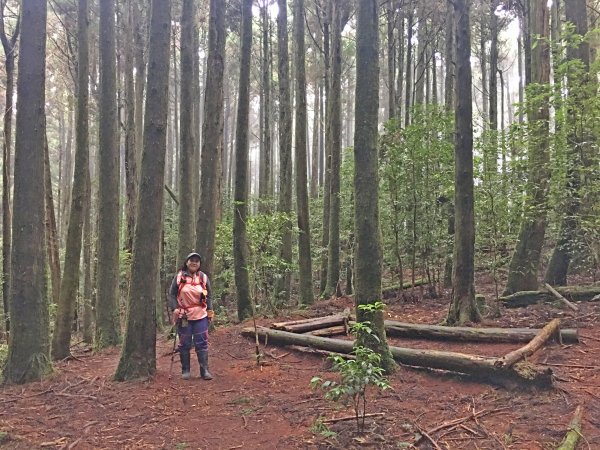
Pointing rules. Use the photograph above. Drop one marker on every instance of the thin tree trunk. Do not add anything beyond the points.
(130, 131)
(107, 312)
(391, 58)
(28, 348)
(9, 46)
(334, 131)
(463, 308)
(409, 68)
(314, 172)
(138, 356)
(282, 288)
(187, 223)
(52, 239)
(61, 342)
(305, 288)
(240, 211)
(212, 141)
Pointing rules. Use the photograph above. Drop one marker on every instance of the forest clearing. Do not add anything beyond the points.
(274, 406)
(379, 220)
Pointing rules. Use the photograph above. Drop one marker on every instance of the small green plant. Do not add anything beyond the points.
(356, 374)
(320, 427)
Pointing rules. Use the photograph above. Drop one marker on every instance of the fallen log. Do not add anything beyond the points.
(316, 323)
(477, 366)
(573, 293)
(330, 331)
(560, 297)
(389, 290)
(536, 343)
(572, 436)
(438, 332)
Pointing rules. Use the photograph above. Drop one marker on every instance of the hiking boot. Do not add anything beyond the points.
(203, 360)
(185, 364)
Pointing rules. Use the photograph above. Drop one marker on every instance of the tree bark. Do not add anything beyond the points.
(340, 13)
(130, 131)
(9, 46)
(305, 288)
(524, 264)
(573, 293)
(240, 211)
(107, 309)
(212, 137)
(367, 259)
(283, 286)
(187, 223)
(510, 359)
(138, 356)
(52, 238)
(574, 433)
(29, 346)
(463, 308)
(61, 342)
(469, 334)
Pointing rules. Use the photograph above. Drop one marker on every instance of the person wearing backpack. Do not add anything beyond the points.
(191, 304)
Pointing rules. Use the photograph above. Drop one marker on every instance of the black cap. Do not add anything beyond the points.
(192, 255)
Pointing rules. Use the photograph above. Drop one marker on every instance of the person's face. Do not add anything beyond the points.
(193, 264)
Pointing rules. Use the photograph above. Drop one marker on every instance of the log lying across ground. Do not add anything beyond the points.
(316, 323)
(510, 359)
(477, 366)
(389, 290)
(572, 293)
(438, 332)
(560, 297)
(572, 437)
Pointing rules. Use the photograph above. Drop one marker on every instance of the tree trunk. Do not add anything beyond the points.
(138, 356)
(391, 58)
(130, 143)
(366, 180)
(579, 138)
(283, 286)
(326, 148)
(52, 239)
(305, 288)
(449, 57)
(61, 342)
(463, 308)
(340, 14)
(9, 46)
(29, 346)
(187, 223)
(88, 306)
(314, 171)
(524, 264)
(107, 309)
(409, 68)
(212, 137)
(240, 211)
(265, 184)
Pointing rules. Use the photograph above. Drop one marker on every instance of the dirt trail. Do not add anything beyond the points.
(274, 408)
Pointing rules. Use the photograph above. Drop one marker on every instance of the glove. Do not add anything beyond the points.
(177, 314)
(210, 314)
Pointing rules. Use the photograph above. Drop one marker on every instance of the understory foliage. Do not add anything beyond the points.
(356, 374)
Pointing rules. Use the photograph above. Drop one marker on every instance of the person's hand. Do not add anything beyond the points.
(177, 313)
(210, 314)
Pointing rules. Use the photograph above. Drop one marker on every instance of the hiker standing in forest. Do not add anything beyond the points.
(191, 303)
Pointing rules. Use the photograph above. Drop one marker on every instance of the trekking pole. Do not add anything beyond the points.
(174, 347)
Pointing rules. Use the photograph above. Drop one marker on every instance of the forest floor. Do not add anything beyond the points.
(245, 407)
